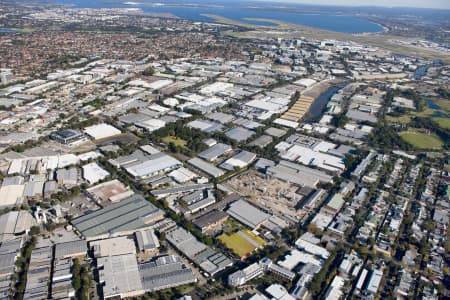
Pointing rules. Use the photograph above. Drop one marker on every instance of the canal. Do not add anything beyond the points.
(318, 107)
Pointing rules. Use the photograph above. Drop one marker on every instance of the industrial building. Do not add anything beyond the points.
(93, 173)
(240, 160)
(205, 257)
(67, 136)
(298, 174)
(118, 219)
(101, 131)
(38, 276)
(165, 272)
(11, 193)
(15, 223)
(240, 277)
(119, 276)
(141, 165)
(119, 245)
(214, 152)
(206, 167)
(247, 214)
(147, 240)
(239, 134)
(210, 221)
(71, 249)
(113, 191)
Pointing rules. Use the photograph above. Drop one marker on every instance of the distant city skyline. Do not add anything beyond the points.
(442, 4)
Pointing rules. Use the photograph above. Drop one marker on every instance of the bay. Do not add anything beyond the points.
(240, 11)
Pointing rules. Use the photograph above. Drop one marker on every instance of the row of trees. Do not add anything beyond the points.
(81, 280)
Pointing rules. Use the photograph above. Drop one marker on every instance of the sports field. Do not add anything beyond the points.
(242, 243)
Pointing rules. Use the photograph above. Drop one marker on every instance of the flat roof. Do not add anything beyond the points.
(70, 249)
(206, 167)
(215, 151)
(113, 246)
(120, 275)
(247, 214)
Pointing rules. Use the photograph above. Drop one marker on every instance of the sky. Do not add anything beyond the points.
(388, 3)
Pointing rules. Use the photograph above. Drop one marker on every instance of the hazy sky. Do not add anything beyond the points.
(389, 3)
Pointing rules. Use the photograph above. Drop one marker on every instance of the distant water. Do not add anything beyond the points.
(237, 11)
(3, 30)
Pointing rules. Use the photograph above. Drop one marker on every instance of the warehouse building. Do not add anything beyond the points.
(119, 276)
(239, 134)
(205, 257)
(112, 246)
(210, 221)
(206, 167)
(67, 136)
(240, 160)
(67, 176)
(15, 223)
(71, 249)
(147, 240)
(93, 173)
(101, 131)
(118, 219)
(298, 174)
(247, 214)
(153, 165)
(38, 275)
(11, 192)
(165, 272)
(215, 152)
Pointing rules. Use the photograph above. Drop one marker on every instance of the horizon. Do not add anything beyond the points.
(438, 4)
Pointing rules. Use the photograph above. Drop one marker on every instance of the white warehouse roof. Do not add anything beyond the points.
(101, 131)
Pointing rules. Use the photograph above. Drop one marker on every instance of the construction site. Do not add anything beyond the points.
(270, 194)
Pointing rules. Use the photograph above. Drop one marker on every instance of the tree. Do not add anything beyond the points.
(35, 230)
(76, 276)
(149, 71)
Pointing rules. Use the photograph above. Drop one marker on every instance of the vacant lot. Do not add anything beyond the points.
(422, 140)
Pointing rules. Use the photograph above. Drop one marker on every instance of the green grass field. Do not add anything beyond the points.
(173, 139)
(422, 140)
(443, 122)
(239, 245)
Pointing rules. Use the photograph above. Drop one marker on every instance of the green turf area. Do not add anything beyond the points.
(404, 119)
(173, 139)
(422, 140)
(443, 122)
(239, 245)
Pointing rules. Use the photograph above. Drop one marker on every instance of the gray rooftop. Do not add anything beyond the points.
(70, 249)
(239, 134)
(132, 213)
(206, 167)
(165, 273)
(247, 214)
(214, 152)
